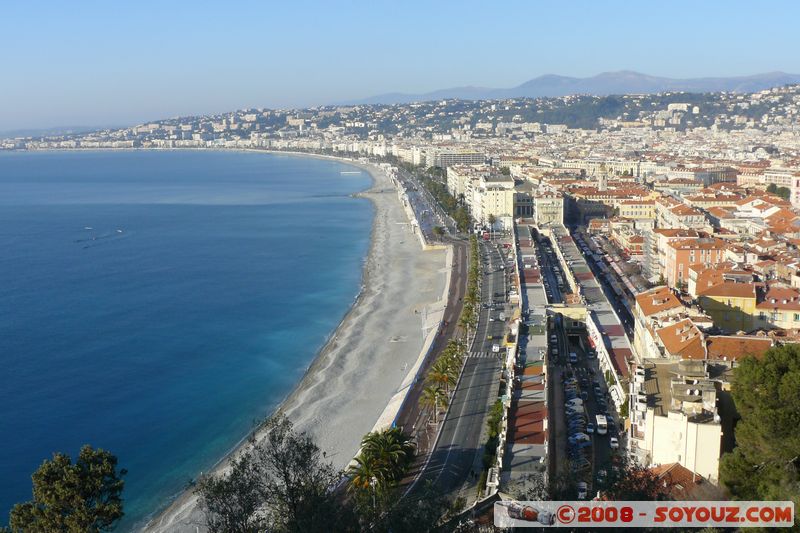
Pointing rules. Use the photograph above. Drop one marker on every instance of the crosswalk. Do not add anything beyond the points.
(483, 355)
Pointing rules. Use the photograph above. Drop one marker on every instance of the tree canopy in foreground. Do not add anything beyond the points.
(764, 465)
(80, 497)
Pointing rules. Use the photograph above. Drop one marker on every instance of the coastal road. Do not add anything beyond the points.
(452, 462)
(435, 213)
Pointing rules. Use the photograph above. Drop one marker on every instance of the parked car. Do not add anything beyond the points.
(583, 490)
(575, 454)
(613, 443)
(579, 437)
(580, 465)
(590, 428)
(584, 395)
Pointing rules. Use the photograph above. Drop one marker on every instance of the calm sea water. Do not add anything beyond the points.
(156, 304)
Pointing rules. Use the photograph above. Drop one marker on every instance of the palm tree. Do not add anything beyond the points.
(362, 474)
(433, 398)
(491, 219)
(471, 298)
(390, 450)
(466, 321)
(441, 373)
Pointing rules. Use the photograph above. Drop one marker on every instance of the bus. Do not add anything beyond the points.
(602, 425)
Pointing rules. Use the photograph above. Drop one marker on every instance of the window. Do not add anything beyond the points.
(796, 317)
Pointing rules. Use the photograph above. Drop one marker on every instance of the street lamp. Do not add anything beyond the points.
(373, 482)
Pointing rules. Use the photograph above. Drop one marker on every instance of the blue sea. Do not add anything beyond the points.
(157, 304)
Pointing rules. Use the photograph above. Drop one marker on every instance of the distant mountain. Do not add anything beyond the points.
(621, 82)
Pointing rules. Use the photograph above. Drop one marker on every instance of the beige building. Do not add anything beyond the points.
(548, 208)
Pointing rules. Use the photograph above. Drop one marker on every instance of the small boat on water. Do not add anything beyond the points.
(88, 227)
(344, 172)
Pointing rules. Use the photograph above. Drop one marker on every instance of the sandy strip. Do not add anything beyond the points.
(366, 360)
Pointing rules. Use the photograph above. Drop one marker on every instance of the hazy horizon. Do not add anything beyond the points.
(95, 64)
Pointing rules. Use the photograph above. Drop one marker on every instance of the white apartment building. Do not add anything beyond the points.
(494, 196)
(674, 418)
(789, 178)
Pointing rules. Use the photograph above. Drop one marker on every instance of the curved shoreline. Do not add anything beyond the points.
(342, 384)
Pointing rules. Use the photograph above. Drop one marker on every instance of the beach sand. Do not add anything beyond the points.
(364, 362)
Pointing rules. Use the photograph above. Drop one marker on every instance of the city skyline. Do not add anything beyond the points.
(98, 65)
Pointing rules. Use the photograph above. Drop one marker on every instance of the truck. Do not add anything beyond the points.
(602, 424)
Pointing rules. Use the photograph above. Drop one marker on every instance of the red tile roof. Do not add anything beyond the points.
(734, 347)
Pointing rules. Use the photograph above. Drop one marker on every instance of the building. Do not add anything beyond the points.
(780, 308)
(731, 305)
(637, 209)
(460, 179)
(674, 417)
(652, 308)
(681, 254)
(548, 208)
(493, 198)
(448, 158)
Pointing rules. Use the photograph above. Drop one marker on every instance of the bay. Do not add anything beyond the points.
(157, 304)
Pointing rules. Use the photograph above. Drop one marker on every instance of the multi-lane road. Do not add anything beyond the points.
(429, 212)
(455, 462)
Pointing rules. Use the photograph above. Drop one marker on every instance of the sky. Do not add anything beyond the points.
(86, 63)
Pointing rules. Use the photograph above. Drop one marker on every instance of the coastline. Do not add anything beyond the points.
(364, 365)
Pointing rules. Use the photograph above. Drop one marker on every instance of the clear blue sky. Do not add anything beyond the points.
(117, 63)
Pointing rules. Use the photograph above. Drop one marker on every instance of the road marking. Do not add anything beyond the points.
(482, 355)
